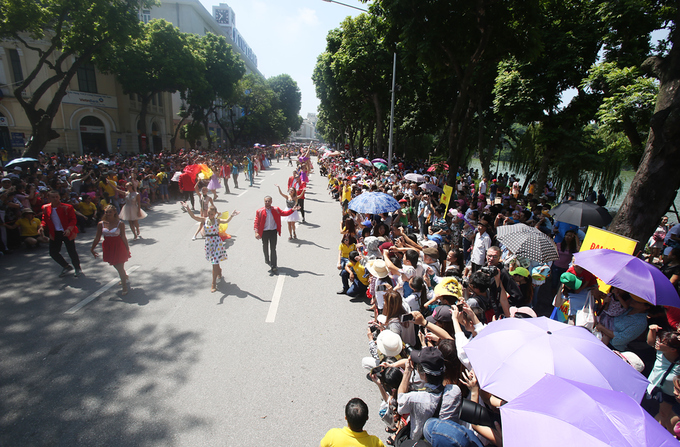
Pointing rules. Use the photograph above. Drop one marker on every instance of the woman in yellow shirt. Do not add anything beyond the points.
(347, 244)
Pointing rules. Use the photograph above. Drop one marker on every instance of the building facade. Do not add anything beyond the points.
(94, 117)
(307, 131)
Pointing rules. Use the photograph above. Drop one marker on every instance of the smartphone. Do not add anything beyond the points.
(407, 317)
(381, 288)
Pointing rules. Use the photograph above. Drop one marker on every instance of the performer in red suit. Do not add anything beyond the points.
(294, 181)
(268, 227)
(60, 221)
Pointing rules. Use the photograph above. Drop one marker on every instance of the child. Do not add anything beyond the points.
(615, 303)
(665, 367)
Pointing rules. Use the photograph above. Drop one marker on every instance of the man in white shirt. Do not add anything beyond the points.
(481, 245)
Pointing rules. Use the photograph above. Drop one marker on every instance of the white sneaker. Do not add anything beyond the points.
(193, 238)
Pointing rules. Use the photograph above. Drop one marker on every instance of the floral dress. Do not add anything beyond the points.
(214, 248)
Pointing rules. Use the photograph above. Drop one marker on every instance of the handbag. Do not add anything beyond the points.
(586, 317)
(657, 392)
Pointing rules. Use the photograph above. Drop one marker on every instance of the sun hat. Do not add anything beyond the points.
(449, 286)
(571, 281)
(378, 268)
(522, 312)
(431, 252)
(389, 343)
(521, 271)
(27, 210)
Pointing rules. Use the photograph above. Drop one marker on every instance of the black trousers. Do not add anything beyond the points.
(55, 249)
(189, 195)
(301, 204)
(269, 246)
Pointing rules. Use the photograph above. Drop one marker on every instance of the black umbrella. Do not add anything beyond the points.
(581, 214)
(527, 242)
(20, 161)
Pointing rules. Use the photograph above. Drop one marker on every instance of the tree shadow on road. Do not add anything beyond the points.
(90, 378)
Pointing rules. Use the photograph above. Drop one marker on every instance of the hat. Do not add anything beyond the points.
(494, 180)
(378, 268)
(403, 201)
(17, 168)
(367, 224)
(436, 238)
(385, 246)
(372, 243)
(522, 312)
(632, 359)
(441, 313)
(389, 343)
(571, 281)
(431, 252)
(27, 210)
(521, 271)
(431, 359)
(6, 179)
(449, 286)
(429, 243)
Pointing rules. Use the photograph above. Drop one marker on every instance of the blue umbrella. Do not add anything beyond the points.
(20, 161)
(374, 203)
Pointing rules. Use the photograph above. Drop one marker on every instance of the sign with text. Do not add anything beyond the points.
(90, 99)
(599, 238)
(17, 139)
(4, 122)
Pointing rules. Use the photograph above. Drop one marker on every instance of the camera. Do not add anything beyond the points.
(489, 270)
(381, 288)
(406, 317)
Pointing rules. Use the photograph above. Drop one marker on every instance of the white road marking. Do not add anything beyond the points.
(98, 293)
(273, 173)
(274, 305)
(243, 193)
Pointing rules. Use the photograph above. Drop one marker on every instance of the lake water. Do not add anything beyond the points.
(613, 205)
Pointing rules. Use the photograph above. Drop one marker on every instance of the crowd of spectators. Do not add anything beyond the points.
(92, 182)
(436, 276)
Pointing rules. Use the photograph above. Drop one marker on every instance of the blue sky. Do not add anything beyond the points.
(288, 35)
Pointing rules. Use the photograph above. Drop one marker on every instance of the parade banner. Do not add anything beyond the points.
(446, 197)
(599, 238)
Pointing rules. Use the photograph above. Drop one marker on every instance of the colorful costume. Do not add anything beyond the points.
(113, 248)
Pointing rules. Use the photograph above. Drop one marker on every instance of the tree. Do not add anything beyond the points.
(289, 99)
(76, 32)
(259, 120)
(452, 39)
(159, 60)
(656, 181)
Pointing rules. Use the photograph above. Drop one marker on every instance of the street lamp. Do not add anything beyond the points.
(394, 75)
(345, 4)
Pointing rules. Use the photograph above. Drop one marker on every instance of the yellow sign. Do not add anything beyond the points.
(448, 191)
(599, 238)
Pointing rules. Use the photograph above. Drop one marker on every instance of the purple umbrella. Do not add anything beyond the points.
(431, 187)
(379, 160)
(629, 273)
(559, 412)
(512, 354)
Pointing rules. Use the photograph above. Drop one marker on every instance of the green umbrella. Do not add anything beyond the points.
(381, 166)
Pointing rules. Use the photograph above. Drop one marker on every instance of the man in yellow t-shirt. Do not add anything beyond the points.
(354, 277)
(354, 435)
(31, 231)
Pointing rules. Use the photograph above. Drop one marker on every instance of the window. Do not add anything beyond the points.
(145, 15)
(87, 79)
(16, 66)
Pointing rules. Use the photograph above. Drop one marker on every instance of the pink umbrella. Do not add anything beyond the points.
(511, 355)
(379, 160)
(438, 167)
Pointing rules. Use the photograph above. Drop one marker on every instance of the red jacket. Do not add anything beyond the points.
(299, 186)
(67, 216)
(186, 183)
(261, 218)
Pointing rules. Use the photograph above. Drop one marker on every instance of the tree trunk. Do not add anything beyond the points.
(379, 124)
(173, 140)
(543, 170)
(656, 181)
(146, 100)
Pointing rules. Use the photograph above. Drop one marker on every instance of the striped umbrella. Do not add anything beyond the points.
(364, 161)
(527, 242)
(374, 203)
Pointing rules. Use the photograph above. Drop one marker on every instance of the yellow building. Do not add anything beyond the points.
(95, 115)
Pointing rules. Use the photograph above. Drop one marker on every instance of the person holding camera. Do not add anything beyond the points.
(435, 400)
(504, 291)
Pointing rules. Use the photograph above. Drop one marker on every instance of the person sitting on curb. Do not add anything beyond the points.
(356, 415)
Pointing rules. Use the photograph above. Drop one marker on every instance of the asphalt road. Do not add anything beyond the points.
(172, 364)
